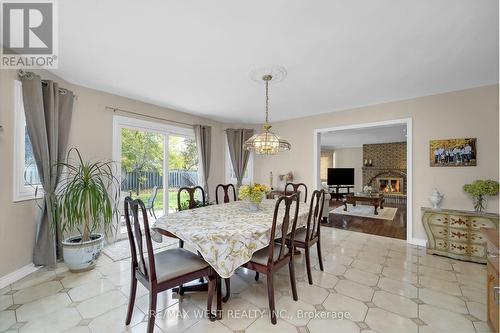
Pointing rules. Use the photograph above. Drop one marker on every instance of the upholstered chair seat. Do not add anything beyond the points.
(262, 256)
(173, 263)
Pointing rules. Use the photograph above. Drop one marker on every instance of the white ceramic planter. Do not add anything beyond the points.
(82, 256)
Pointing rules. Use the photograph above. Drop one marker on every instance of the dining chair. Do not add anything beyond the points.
(306, 237)
(191, 204)
(295, 187)
(226, 199)
(150, 203)
(226, 188)
(191, 201)
(278, 254)
(163, 270)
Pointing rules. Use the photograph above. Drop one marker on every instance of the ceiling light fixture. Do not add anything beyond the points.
(267, 143)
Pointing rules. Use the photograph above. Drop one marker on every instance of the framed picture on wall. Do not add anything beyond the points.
(453, 152)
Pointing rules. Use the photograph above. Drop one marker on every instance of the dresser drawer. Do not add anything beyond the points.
(469, 250)
(439, 231)
(477, 222)
(459, 222)
(474, 236)
(442, 244)
(438, 219)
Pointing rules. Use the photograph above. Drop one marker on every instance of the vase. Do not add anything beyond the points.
(254, 206)
(479, 203)
(435, 198)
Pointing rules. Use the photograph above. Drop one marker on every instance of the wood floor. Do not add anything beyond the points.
(394, 229)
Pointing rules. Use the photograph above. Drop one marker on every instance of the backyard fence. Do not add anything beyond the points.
(147, 180)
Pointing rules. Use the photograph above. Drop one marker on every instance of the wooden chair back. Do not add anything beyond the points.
(315, 214)
(132, 208)
(191, 191)
(295, 188)
(288, 218)
(226, 188)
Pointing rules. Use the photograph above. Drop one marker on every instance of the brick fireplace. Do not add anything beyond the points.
(387, 170)
(390, 184)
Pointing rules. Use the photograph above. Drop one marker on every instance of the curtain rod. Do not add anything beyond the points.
(146, 116)
(64, 91)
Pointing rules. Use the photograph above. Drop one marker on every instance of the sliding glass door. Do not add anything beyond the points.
(142, 167)
(182, 167)
(155, 160)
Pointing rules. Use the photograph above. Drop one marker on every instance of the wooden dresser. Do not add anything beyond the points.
(492, 282)
(456, 234)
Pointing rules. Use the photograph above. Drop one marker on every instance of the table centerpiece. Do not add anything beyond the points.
(253, 194)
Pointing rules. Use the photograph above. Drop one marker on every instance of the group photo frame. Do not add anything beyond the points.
(453, 152)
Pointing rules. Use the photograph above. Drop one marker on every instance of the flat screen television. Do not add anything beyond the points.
(340, 176)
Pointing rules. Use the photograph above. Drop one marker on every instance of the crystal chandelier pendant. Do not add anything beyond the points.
(267, 142)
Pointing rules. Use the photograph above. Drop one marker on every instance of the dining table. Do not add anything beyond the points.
(227, 235)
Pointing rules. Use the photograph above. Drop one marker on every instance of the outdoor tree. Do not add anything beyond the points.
(141, 152)
(190, 155)
(183, 154)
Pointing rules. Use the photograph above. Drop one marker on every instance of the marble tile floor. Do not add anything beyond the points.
(378, 285)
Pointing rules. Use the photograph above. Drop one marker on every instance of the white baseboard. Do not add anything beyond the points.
(418, 242)
(17, 275)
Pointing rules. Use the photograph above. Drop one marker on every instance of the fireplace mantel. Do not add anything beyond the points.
(380, 169)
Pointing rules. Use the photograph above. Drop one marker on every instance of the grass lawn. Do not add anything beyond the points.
(172, 198)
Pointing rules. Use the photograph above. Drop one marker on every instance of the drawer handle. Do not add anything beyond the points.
(496, 294)
(492, 254)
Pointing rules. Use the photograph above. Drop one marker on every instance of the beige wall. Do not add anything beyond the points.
(91, 132)
(351, 158)
(467, 113)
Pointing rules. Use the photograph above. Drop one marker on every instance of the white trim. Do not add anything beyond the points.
(419, 242)
(20, 192)
(409, 161)
(17, 275)
(152, 126)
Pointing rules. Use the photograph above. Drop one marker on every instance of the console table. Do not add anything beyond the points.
(456, 234)
(334, 191)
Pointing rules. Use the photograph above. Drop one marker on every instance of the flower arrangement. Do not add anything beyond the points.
(367, 189)
(479, 189)
(253, 193)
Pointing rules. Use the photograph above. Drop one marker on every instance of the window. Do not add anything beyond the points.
(26, 180)
(325, 164)
(231, 177)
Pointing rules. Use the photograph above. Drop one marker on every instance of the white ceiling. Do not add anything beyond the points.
(353, 138)
(197, 55)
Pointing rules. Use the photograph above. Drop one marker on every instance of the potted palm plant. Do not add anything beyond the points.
(86, 205)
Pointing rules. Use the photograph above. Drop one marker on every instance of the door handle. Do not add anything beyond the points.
(496, 294)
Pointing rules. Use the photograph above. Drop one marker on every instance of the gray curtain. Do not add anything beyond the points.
(239, 156)
(48, 111)
(203, 135)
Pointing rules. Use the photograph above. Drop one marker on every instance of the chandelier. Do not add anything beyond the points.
(267, 143)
